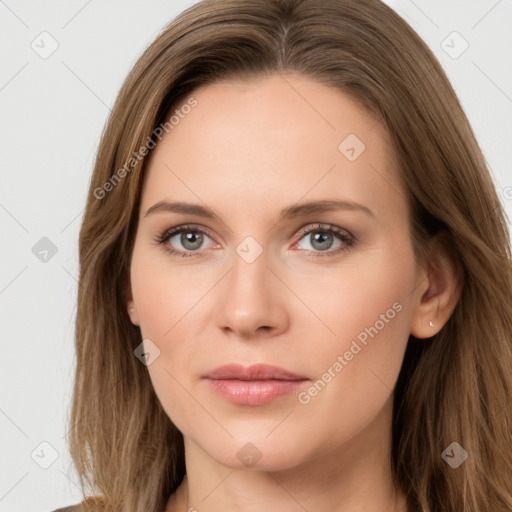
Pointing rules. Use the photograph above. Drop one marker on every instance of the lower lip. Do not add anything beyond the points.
(253, 392)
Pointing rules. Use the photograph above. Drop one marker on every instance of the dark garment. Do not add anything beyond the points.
(80, 507)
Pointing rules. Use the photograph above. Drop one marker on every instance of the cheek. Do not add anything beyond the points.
(367, 311)
(166, 296)
(363, 293)
(165, 293)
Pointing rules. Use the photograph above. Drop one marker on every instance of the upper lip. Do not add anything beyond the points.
(253, 372)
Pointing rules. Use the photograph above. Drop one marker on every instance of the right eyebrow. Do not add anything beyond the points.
(185, 208)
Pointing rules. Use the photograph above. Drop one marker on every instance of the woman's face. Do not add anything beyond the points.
(273, 272)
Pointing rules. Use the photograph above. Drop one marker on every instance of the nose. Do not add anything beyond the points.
(252, 300)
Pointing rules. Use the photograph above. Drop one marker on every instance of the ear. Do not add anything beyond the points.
(130, 304)
(437, 291)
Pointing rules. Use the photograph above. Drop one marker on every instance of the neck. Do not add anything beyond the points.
(353, 478)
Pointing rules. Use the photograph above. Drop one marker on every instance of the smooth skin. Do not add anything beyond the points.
(248, 150)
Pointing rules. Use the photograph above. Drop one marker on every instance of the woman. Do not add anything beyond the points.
(296, 283)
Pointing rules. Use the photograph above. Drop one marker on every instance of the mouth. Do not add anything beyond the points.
(258, 384)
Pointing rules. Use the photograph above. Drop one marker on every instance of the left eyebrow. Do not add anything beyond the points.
(325, 205)
(287, 213)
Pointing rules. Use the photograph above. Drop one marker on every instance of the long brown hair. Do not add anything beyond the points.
(453, 387)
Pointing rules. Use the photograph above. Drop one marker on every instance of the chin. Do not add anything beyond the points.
(258, 451)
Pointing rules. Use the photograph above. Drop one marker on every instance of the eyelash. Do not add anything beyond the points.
(348, 239)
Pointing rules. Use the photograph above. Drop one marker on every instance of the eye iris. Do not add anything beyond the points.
(321, 238)
(188, 237)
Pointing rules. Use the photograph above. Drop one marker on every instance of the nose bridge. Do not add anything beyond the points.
(250, 297)
(249, 275)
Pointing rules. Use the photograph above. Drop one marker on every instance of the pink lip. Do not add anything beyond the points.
(253, 372)
(256, 385)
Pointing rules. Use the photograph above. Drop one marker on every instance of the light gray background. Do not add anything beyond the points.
(52, 113)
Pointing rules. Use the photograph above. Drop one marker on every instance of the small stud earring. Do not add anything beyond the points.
(431, 323)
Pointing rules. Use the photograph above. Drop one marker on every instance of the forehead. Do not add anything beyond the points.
(271, 140)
